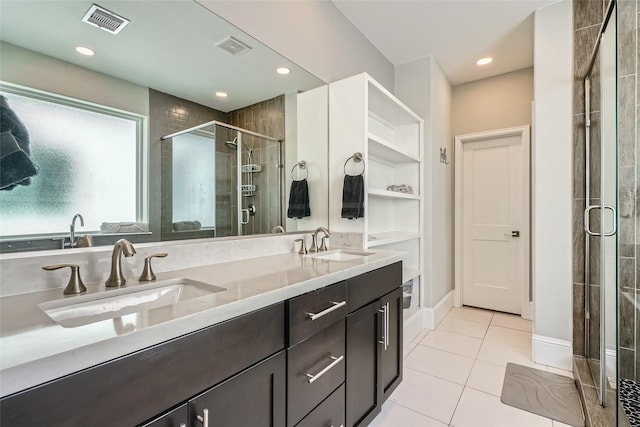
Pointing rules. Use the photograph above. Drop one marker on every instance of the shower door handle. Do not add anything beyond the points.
(244, 221)
(587, 225)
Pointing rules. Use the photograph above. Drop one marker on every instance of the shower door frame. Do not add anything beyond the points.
(602, 377)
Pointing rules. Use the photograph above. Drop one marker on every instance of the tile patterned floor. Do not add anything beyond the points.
(453, 375)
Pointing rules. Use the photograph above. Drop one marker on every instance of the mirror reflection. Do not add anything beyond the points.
(118, 137)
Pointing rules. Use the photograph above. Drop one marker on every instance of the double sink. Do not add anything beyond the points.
(90, 308)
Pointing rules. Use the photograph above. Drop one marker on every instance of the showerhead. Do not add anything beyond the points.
(232, 145)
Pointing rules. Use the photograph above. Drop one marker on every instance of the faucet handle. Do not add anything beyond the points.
(323, 244)
(147, 273)
(303, 247)
(75, 285)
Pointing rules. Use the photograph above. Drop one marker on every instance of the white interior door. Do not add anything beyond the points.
(494, 220)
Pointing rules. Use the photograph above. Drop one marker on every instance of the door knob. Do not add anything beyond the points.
(515, 233)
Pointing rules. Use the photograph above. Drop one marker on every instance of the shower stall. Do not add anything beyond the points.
(225, 180)
(610, 218)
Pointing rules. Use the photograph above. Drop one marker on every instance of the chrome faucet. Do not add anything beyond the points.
(116, 278)
(72, 230)
(314, 243)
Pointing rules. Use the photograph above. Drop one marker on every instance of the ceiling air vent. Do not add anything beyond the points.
(233, 46)
(105, 20)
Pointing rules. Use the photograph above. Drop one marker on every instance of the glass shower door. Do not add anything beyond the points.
(608, 214)
(601, 219)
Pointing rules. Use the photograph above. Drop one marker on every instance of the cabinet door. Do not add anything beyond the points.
(253, 398)
(391, 358)
(364, 397)
(179, 417)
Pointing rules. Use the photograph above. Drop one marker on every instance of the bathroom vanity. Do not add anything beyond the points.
(313, 342)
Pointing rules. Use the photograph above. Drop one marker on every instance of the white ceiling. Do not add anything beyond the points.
(455, 32)
(168, 46)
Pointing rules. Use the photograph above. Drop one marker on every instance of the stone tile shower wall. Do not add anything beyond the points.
(628, 191)
(267, 118)
(588, 17)
(169, 114)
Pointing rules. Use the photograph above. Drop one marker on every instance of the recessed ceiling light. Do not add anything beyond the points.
(283, 70)
(222, 94)
(484, 61)
(85, 51)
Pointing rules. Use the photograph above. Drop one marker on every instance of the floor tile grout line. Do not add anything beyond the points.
(419, 413)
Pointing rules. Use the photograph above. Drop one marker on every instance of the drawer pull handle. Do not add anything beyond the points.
(204, 418)
(335, 306)
(313, 378)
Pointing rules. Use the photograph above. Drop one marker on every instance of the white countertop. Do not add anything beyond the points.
(34, 349)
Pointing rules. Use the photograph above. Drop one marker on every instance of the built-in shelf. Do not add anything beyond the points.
(390, 138)
(384, 104)
(382, 149)
(409, 273)
(380, 239)
(376, 192)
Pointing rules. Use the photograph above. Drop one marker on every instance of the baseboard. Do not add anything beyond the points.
(552, 352)
(434, 315)
(413, 325)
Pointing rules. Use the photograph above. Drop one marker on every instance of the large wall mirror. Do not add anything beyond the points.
(176, 125)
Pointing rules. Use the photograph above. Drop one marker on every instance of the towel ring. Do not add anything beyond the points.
(357, 158)
(302, 165)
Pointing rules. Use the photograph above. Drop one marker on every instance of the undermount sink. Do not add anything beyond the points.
(110, 304)
(341, 255)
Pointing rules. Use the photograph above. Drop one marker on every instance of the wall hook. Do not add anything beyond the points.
(443, 155)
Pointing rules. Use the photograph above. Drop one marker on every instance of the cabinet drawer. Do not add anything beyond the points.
(328, 413)
(315, 369)
(314, 311)
(370, 286)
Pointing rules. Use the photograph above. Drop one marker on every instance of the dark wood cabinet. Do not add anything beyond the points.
(242, 371)
(374, 343)
(253, 398)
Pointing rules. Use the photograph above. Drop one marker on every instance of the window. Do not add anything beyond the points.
(89, 160)
(194, 178)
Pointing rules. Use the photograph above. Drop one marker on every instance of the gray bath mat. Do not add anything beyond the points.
(543, 393)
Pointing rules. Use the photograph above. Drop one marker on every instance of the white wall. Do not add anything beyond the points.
(313, 34)
(28, 68)
(425, 89)
(552, 183)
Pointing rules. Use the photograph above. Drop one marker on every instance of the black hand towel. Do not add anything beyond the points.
(299, 200)
(17, 166)
(353, 197)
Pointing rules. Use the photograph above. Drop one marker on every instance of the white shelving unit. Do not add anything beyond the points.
(365, 117)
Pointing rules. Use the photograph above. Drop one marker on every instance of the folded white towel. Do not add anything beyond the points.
(124, 227)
